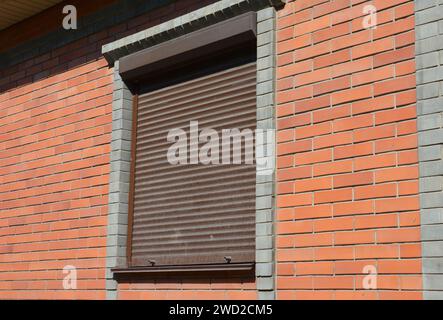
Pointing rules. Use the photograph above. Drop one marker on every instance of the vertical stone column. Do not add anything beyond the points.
(429, 59)
(119, 180)
(265, 264)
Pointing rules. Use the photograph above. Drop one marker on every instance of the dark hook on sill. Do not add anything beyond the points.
(151, 262)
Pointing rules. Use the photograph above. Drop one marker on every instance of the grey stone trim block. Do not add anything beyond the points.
(433, 295)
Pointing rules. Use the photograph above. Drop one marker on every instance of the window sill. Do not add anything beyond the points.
(187, 269)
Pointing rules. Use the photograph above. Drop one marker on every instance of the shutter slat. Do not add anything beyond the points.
(191, 86)
(198, 99)
(187, 172)
(194, 213)
(204, 121)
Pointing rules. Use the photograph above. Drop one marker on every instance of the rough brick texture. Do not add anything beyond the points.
(54, 164)
(55, 140)
(348, 153)
(429, 29)
(347, 174)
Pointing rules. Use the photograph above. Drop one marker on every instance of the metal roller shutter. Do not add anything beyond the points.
(193, 213)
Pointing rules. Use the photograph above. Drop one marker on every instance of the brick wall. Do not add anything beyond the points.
(347, 151)
(54, 164)
(347, 177)
(55, 135)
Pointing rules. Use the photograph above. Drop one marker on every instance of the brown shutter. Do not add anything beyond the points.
(193, 213)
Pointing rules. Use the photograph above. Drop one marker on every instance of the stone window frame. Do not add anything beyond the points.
(117, 226)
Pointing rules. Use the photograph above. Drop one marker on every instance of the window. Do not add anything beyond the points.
(189, 212)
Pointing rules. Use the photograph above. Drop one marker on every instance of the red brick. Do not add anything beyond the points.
(330, 7)
(332, 59)
(352, 267)
(395, 115)
(398, 235)
(335, 112)
(296, 43)
(408, 188)
(333, 196)
(353, 208)
(373, 48)
(335, 282)
(354, 150)
(294, 121)
(351, 95)
(351, 67)
(295, 255)
(376, 221)
(372, 76)
(404, 39)
(317, 211)
(404, 68)
(294, 94)
(376, 191)
(378, 161)
(394, 56)
(312, 25)
(399, 266)
(294, 173)
(396, 27)
(331, 140)
(396, 205)
(379, 103)
(332, 85)
(294, 283)
(376, 251)
(396, 144)
(354, 237)
(312, 184)
(312, 77)
(294, 69)
(407, 127)
(312, 104)
(314, 268)
(291, 147)
(353, 179)
(313, 240)
(374, 133)
(332, 168)
(395, 85)
(313, 51)
(353, 123)
(329, 33)
(406, 97)
(412, 250)
(294, 200)
(334, 224)
(314, 130)
(334, 253)
(313, 157)
(293, 227)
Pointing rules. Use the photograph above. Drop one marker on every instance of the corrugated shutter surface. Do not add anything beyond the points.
(193, 213)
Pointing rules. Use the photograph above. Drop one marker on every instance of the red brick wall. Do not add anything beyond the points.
(201, 288)
(347, 161)
(54, 164)
(347, 151)
(55, 130)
